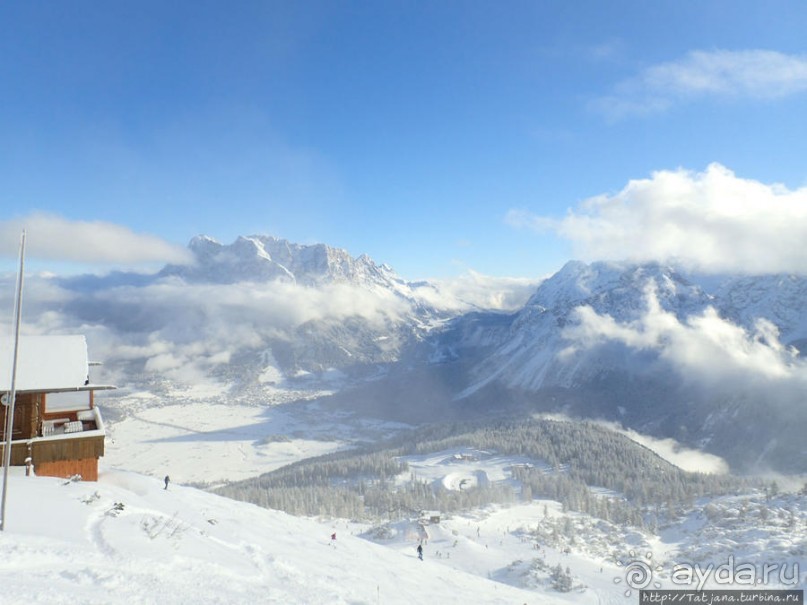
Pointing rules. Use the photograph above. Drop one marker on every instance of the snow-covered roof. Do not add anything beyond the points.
(44, 363)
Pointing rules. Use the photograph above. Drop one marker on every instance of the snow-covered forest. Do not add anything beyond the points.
(585, 467)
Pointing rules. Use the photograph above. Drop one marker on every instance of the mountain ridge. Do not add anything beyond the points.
(266, 258)
(623, 342)
(712, 361)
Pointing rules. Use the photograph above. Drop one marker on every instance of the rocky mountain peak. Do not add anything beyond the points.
(263, 258)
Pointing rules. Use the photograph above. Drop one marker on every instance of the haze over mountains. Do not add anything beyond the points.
(712, 361)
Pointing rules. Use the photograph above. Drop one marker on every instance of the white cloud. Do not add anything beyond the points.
(711, 221)
(694, 461)
(473, 290)
(755, 74)
(51, 237)
(705, 350)
(673, 452)
(186, 331)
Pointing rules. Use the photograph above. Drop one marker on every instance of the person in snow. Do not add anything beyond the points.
(420, 552)
(167, 479)
(333, 537)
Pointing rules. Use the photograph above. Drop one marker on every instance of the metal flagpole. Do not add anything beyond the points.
(13, 392)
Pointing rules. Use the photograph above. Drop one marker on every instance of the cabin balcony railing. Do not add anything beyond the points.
(74, 435)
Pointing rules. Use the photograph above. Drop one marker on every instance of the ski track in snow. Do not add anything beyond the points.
(66, 543)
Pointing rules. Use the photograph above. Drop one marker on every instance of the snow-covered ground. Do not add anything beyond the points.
(466, 468)
(211, 441)
(127, 540)
(181, 439)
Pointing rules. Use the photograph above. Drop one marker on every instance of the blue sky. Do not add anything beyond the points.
(438, 137)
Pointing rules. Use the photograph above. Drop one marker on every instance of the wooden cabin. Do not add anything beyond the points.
(57, 429)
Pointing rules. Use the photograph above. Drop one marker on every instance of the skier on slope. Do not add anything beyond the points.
(420, 552)
(167, 479)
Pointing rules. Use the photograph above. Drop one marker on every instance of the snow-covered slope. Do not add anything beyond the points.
(128, 540)
(782, 299)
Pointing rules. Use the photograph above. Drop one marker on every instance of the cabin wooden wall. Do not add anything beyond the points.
(27, 412)
(60, 457)
(86, 467)
(57, 450)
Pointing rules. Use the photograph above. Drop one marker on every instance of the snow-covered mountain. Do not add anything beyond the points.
(256, 315)
(524, 350)
(712, 362)
(782, 299)
(262, 258)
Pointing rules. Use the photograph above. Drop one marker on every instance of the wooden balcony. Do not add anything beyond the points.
(65, 446)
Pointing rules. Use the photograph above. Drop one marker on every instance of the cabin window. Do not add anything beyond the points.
(64, 402)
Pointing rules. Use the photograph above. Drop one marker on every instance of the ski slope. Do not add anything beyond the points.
(126, 539)
(68, 542)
